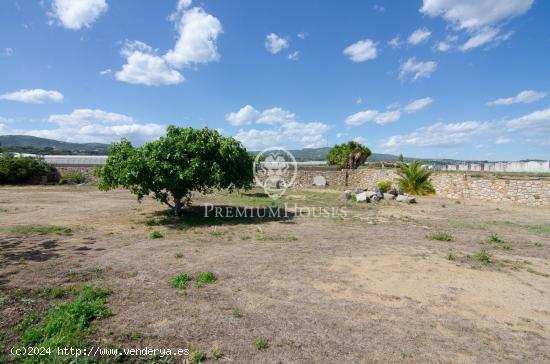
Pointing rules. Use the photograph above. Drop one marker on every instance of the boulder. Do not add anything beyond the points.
(405, 198)
(362, 197)
(389, 196)
(319, 181)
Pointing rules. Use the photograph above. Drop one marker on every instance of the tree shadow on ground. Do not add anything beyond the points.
(18, 250)
(215, 215)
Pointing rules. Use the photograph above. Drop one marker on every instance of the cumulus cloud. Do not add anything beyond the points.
(395, 42)
(198, 32)
(245, 115)
(480, 19)
(283, 128)
(417, 69)
(419, 36)
(524, 97)
(437, 135)
(362, 50)
(274, 43)
(89, 125)
(34, 96)
(418, 104)
(538, 121)
(77, 14)
(375, 116)
(197, 42)
(143, 66)
(294, 56)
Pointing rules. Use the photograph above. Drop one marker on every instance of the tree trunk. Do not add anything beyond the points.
(177, 206)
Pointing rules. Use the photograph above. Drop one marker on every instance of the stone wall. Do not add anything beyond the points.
(86, 169)
(533, 191)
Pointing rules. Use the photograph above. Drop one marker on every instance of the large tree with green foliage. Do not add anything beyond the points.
(414, 178)
(22, 169)
(172, 167)
(348, 155)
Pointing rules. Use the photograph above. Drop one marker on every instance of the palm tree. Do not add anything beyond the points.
(414, 179)
(349, 155)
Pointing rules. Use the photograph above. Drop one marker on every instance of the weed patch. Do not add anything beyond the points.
(261, 343)
(205, 278)
(155, 235)
(482, 257)
(180, 281)
(441, 236)
(41, 229)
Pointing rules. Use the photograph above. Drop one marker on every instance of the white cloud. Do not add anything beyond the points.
(524, 97)
(8, 52)
(275, 116)
(418, 69)
(419, 36)
(395, 42)
(245, 115)
(361, 51)
(107, 71)
(359, 100)
(74, 15)
(418, 104)
(34, 96)
(379, 8)
(481, 19)
(87, 125)
(303, 35)
(538, 121)
(143, 66)
(447, 44)
(361, 117)
(197, 42)
(387, 117)
(274, 44)
(294, 56)
(81, 117)
(503, 140)
(360, 139)
(437, 135)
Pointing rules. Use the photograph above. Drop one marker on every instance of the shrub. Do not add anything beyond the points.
(384, 186)
(205, 278)
(414, 179)
(73, 177)
(21, 169)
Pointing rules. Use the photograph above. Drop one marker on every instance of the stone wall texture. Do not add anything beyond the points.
(533, 191)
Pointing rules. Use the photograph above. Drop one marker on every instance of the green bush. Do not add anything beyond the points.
(414, 178)
(14, 170)
(71, 177)
(384, 186)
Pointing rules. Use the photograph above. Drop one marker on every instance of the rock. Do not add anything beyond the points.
(346, 195)
(375, 198)
(393, 191)
(405, 198)
(362, 197)
(319, 181)
(370, 193)
(358, 190)
(389, 196)
(379, 194)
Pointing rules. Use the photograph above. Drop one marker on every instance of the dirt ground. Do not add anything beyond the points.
(368, 287)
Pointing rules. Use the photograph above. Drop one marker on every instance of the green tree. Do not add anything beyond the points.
(401, 158)
(414, 178)
(21, 169)
(348, 155)
(172, 167)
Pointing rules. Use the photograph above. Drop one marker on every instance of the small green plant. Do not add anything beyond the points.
(155, 235)
(179, 255)
(131, 335)
(205, 278)
(217, 354)
(245, 237)
(537, 243)
(292, 238)
(443, 205)
(507, 247)
(57, 292)
(457, 202)
(27, 301)
(451, 256)
(95, 270)
(441, 236)
(73, 177)
(541, 229)
(482, 257)
(236, 312)
(198, 356)
(216, 233)
(41, 229)
(384, 186)
(261, 343)
(180, 281)
(494, 238)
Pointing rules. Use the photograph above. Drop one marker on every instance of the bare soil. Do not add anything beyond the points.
(368, 287)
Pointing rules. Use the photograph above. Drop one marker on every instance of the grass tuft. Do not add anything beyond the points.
(236, 312)
(217, 354)
(261, 343)
(441, 236)
(482, 257)
(155, 235)
(205, 278)
(180, 281)
(179, 255)
(198, 356)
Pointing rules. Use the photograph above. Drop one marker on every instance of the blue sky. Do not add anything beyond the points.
(465, 79)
